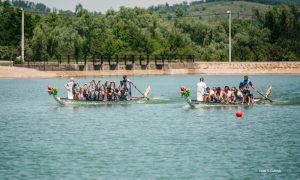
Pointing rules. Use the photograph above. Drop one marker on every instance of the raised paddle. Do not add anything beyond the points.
(263, 95)
(140, 92)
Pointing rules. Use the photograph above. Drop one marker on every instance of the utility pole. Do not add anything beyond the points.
(22, 38)
(229, 12)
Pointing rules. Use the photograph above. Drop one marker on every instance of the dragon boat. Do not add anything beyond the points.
(65, 101)
(185, 93)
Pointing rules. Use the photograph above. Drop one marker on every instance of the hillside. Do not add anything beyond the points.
(271, 34)
(244, 8)
(194, 7)
(207, 10)
(275, 2)
(27, 5)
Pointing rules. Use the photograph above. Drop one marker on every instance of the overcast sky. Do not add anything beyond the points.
(103, 5)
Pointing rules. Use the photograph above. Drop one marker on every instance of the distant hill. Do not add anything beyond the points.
(194, 5)
(200, 7)
(31, 6)
(207, 10)
(273, 2)
(202, 10)
(38, 8)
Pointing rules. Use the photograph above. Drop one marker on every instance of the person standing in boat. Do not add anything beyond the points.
(245, 89)
(127, 84)
(201, 89)
(70, 88)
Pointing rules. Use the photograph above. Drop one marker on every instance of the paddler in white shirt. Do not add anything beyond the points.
(201, 89)
(69, 86)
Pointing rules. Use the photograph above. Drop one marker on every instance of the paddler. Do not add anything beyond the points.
(70, 86)
(127, 84)
(244, 88)
(219, 95)
(201, 89)
(227, 93)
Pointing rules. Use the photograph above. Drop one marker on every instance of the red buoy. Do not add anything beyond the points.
(239, 114)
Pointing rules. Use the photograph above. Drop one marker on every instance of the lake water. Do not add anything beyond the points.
(164, 139)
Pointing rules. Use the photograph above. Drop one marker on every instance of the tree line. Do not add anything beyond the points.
(272, 35)
(272, 2)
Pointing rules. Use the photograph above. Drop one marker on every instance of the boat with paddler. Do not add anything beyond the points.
(65, 101)
(185, 93)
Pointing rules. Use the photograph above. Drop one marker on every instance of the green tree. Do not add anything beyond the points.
(179, 12)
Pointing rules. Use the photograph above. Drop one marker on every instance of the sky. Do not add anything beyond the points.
(103, 5)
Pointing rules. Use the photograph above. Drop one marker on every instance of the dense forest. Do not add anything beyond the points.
(40, 7)
(269, 34)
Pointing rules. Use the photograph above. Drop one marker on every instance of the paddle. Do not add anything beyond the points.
(140, 92)
(256, 90)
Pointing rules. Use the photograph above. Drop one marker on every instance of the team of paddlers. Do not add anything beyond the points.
(92, 91)
(109, 91)
(226, 95)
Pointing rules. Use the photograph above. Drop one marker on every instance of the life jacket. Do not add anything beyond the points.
(123, 96)
(245, 84)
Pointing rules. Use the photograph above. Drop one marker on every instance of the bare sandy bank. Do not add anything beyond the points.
(209, 68)
(17, 72)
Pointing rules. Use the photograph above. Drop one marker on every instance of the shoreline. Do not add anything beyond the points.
(160, 73)
(201, 68)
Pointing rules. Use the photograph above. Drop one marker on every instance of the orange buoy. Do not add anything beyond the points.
(239, 114)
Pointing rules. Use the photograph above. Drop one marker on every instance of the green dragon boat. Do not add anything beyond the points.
(193, 103)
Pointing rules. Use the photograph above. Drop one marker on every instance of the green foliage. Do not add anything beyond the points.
(10, 24)
(30, 5)
(179, 12)
(250, 42)
(10, 30)
(18, 60)
(284, 27)
(273, 34)
(8, 52)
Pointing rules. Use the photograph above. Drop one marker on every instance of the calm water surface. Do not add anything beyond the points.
(40, 139)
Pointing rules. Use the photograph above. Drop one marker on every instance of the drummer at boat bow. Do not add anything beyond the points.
(244, 88)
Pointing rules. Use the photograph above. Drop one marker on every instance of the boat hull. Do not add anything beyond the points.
(194, 103)
(64, 101)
